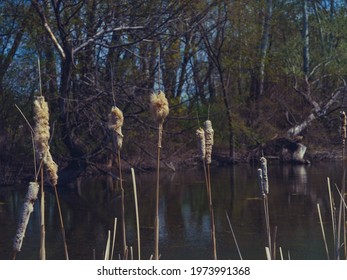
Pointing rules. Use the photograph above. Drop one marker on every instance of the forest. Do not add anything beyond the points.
(260, 70)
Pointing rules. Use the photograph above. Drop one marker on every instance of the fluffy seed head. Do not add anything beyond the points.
(115, 123)
(159, 106)
(200, 133)
(209, 133)
(28, 208)
(41, 129)
(265, 179)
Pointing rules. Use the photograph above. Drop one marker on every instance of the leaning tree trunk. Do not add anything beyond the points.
(317, 112)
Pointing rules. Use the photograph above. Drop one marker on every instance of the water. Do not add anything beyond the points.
(90, 206)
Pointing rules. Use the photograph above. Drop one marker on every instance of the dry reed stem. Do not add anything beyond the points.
(125, 247)
(107, 250)
(28, 208)
(281, 253)
(114, 237)
(213, 226)
(323, 232)
(43, 227)
(232, 232)
(137, 214)
(268, 253)
(62, 228)
(333, 222)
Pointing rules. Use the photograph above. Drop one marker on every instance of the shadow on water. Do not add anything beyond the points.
(90, 205)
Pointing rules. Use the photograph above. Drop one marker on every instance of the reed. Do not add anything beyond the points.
(205, 143)
(137, 214)
(115, 123)
(323, 231)
(333, 219)
(114, 237)
(160, 109)
(281, 253)
(108, 245)
(41, 140)
(264, 187)
(232, 232)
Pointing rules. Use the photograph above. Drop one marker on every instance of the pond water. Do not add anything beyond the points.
(90, 205)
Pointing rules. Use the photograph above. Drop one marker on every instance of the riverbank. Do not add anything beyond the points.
(21, 172)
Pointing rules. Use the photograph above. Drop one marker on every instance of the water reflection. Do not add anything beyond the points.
(91, 204)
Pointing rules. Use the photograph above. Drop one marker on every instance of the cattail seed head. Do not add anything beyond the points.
(265, 180)
(41, 129)
(115, 123)
(208, 140)
(200, 133)
(159, 106)
(28, 208)
(343, 127)
(52, 168)
(41, 137)
(260, 180)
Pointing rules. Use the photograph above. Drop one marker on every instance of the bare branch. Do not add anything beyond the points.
(48, 29)
(103, 32)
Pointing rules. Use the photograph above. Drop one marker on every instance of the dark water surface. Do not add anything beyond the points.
(90, 206)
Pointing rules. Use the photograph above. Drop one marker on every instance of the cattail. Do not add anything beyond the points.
(41, 129)
(52, 168)
(160, 110)
(159, 106)
(200, 133)
(343, 127)
(41, 137)
(208, 140)
(28, 208)
(115, 122)
(265, 179)
(260, 180)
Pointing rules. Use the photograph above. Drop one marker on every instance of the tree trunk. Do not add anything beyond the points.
(306, 39)
(264, 46)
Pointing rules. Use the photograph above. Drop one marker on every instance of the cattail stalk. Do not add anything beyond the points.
(114, 237)
(333, 217)
(264, 186)
(206, 142)
(42, 137)
(232, 232)
(160, 110)
(323, 231)
(28, 208)
(342, 212)
(137, 214)
(115, 123)
(43, 227)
